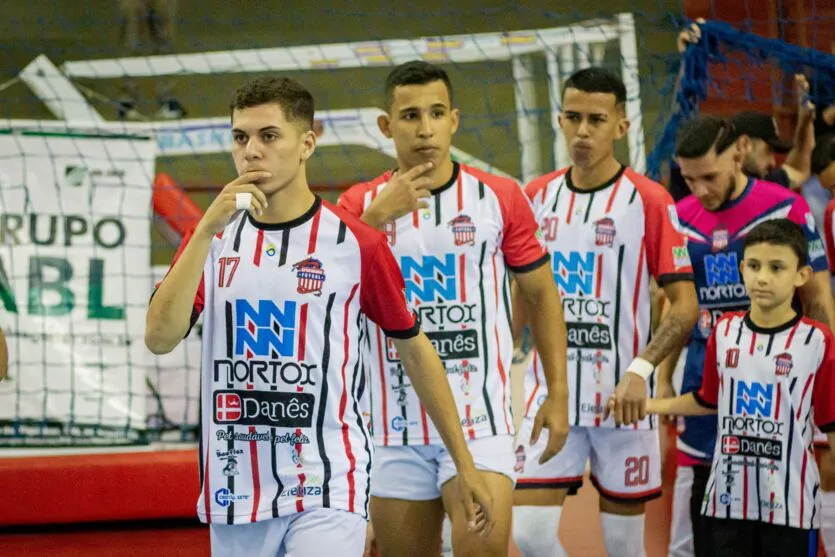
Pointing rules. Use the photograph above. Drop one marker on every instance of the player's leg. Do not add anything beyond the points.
(699, 522)
(493, 457)
(681, 530)
(783, 541)
(259, 539)
(406, 508)
(324, 532)
(626, 470)
(732, 538)
(541, 490)
(827, 472)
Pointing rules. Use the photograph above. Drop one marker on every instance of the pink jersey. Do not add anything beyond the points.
(283, 393)
(768, 386)
(456, 258)
(606, 245)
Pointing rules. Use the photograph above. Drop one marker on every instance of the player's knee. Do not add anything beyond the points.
(535, 530)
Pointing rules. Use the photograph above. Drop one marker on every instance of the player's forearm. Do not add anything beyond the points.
(519, 313)
(673, 330)
(169, 313)
(373, 217)
(800, 156)
(684, 405)
(429, 380)
(816, 297)
(666, 368)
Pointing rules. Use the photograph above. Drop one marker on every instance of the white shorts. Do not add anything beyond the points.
(312, 533)
(625, 463)
(417, 473)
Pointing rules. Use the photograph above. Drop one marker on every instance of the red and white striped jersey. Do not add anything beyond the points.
(456, 258)
(767, 385)
(283, 392)
(605, 244)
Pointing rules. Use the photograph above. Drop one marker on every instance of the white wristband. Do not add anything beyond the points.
(642, 367)
(242, 201)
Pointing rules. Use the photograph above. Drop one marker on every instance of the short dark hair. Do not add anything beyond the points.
(416, 72)
(824, 153)
(291, 96)
(597, 80)
(696, 137)
(780, 232)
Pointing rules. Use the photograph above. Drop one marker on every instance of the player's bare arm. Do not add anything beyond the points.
(4, 356)
(538, 290)
(630, 394)
(816, 297)
(519, 314)
(798, 165)
(428, 377)
(404, 193)
(169, 312)
(684, 405)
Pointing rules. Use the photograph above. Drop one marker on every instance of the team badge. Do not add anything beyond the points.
(519, 467)
(311, 276)
(783, 364)
(604, 232)
(463, 230)
(720, 238)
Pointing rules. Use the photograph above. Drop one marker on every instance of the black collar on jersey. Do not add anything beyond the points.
(456, 168)
(290, 223)
(771, 330)
(570, 185)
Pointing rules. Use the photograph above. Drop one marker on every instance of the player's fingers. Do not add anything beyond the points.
(552, 448)
(416, 171)
(423, 205)
(536, 430)
(609, 408)
(469, 510)
(422, 193)
(618, 411)
(252, 177)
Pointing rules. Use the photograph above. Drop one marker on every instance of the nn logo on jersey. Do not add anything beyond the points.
(574, 272)
(311, 276)
(721, 269)
(266, 330)
(430, 279)
(463, 230)
(753, 399)
(604, 232)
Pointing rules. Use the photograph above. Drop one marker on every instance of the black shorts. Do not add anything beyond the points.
(743, 538)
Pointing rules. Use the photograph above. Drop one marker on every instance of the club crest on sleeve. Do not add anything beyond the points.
(604, 232)
(311, 276)
(463, 230)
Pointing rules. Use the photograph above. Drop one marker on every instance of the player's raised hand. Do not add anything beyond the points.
(405, 192)
(553, 416)
(691, 35)
(240, 194)
(478, 503)
(805, 106)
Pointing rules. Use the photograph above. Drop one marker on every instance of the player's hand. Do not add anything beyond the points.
(478, 502)
(553, 416)
(664, 389)
(805, 106)
(370, 542)
(629, 401)
(691, 35)
(224, 206)
(403, 194)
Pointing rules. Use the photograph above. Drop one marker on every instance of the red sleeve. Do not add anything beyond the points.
(521, 247)
(823, 392)
(666, 247)
(352, 200)
(708, 394)
(383, 292)
(829, 235)
(199, 297)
